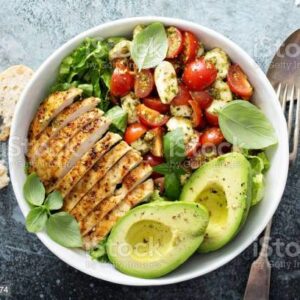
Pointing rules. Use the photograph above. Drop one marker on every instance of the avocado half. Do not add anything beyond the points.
(223, 186)
(154, 239)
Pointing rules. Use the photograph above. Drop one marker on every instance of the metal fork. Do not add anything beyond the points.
(258, 285)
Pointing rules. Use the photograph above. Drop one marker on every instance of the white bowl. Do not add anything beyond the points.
(198, 265)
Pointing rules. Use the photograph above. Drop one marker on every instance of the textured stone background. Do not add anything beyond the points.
(29, 31)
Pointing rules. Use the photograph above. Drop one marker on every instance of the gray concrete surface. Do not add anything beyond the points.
(30, 31)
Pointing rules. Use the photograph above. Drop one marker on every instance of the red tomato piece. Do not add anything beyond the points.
(212, 118)
(190, 47)
(122, 82)
(203, 98)
(134, 132)
(238, 82)
(153, 160)
(144, 83)
(211, 136)
(150, 117)
(156, 104)
(197, 116)
(199, 74)
(183, 97)
(175, 41)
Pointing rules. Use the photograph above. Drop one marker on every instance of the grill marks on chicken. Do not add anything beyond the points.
(99, 176)
(85, 163)
(140, 194)
(51, 107)
(97, 172)
(130, 181)
(69, 114)
(107, 185)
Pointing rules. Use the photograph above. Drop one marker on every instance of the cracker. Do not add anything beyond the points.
(12, 83)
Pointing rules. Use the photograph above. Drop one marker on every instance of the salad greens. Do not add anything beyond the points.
(118, 117)
(61, 226)
(150, 46)
(244, 125)
(88, 68)
(99, 252)
(174, 153)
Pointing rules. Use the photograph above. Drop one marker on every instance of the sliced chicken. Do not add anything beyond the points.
(140, 194)
(68, 115)
(62, 138)
(51, 107)
(84, 164)
(131, 180)
(97, 172)
(78, 145)
(107, 185)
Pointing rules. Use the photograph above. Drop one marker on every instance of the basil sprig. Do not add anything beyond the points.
(244, 125)
(150, 46)
(174, 153)
(60, 226)
(118, 118)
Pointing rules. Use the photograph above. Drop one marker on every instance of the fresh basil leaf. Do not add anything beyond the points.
(118, 118)
(64, 230)
(99, 252)
(36, 219)
(54, 201)
(34, 191)
(150, 46)
(244, 125)
(172, 186)
(174, 149)
(163, 169)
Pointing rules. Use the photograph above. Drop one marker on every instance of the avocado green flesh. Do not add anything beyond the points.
(153, 240)
(223, 186)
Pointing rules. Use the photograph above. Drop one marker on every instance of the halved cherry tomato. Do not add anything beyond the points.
(197, 116)
(238, 82)
(144, 83)
(175, 41)
(211, 136)
(153, 160)
(122, 82)
(212, 118)
(157, 143)
(134, 132)
(150, 117)
(156, 104)
(199, 74)
(203, 98)
(183, 97)
(190, 47)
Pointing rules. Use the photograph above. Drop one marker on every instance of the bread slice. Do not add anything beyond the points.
(12, 83)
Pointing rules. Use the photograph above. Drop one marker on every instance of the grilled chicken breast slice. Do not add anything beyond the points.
(51, 107)
(77, 147)
(84, 164)
(131, 180)
(140, 194)
(69, 114)
(62, 138)
(107, 185)
(96, 173)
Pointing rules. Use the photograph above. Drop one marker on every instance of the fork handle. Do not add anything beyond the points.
(258, 285)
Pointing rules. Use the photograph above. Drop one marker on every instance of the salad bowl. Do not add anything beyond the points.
(199, 264)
